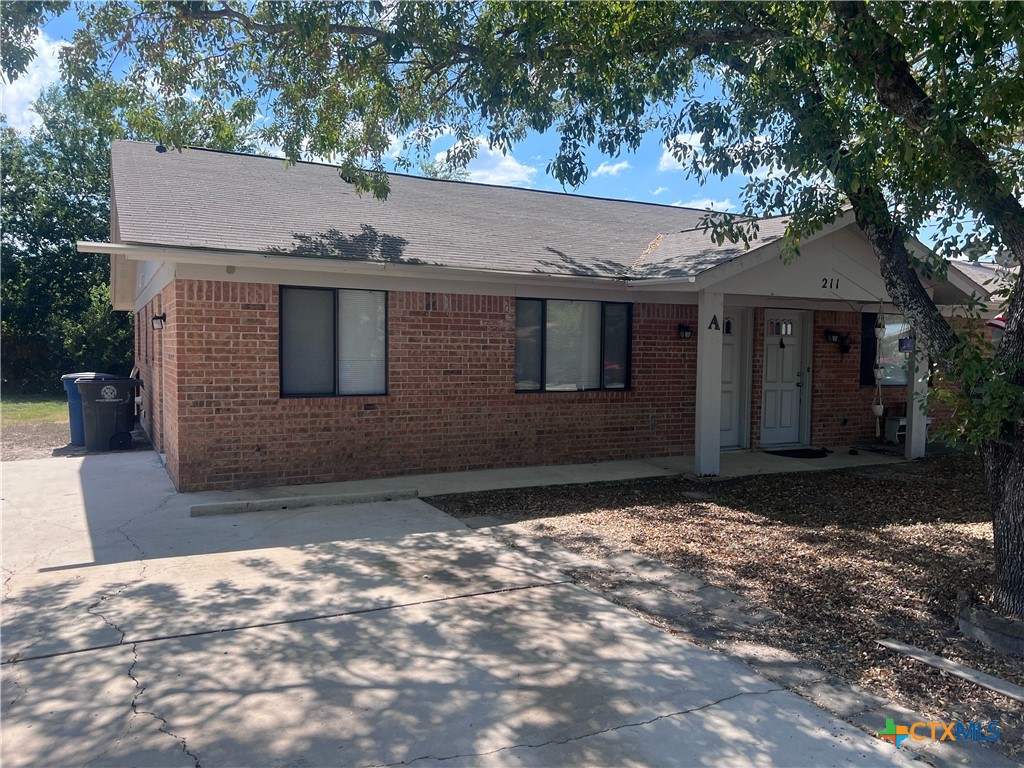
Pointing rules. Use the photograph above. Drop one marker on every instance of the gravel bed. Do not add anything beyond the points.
(847, 557)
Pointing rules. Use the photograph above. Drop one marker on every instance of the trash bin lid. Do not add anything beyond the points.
(90, 376)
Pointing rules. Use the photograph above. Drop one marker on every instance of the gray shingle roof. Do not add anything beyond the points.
(994, 280)
(223, 201)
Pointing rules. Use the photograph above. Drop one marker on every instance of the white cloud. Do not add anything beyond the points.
(16, 98)
(767, 172)
(658, 191)
(706, 203)
(490, 166)
(668, 162)
(606, 169)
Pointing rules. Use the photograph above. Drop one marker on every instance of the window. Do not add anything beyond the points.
(333, 342)
(572, 345)
(892, 363)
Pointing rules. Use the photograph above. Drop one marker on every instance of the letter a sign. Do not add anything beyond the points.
(713, 325)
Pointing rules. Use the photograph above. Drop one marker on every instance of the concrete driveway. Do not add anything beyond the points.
(373, 634)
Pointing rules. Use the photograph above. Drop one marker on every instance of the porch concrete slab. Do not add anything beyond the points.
(547, 676)
(744, 463)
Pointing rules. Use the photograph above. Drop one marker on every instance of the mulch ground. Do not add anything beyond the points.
(846, 557)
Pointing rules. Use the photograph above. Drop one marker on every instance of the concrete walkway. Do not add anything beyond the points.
(733, 464)
(375, 634)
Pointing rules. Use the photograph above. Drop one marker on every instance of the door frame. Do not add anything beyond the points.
(744, 318)
(806, 317)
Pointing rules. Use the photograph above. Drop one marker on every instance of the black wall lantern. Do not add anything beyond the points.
(159, 321)
(835, 337)
(685, 331)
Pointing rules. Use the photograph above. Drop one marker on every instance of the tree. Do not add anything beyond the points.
(55, 182)
(434, 169)
(906, 112)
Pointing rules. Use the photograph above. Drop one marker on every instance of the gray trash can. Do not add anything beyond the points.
(75, 401)
(108, 413)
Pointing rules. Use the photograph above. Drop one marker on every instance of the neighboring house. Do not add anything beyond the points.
(311, 334)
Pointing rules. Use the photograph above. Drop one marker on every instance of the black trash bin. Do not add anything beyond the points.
(108, 413)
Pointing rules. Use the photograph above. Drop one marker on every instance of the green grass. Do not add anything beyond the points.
(32, 409)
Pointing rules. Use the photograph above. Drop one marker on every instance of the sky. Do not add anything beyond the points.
(649, 175)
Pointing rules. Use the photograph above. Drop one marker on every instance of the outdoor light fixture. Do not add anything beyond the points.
(159, 321)
(685, 331)
(835, 337)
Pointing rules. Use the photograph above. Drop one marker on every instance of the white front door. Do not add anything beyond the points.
(781, 406)
(733, 379)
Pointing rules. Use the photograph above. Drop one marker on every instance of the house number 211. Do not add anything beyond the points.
(831, 283)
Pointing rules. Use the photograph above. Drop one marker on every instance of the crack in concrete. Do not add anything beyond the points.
(139, 687)
(110, 595)
(580, 737)
(163, 728)
(7, 581)
(17, 659)
(22, 690)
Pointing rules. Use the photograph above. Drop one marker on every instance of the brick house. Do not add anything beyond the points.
(310, 334)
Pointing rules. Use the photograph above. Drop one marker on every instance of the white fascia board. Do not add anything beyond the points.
(135, 252)
(389, 281)
(663, 283)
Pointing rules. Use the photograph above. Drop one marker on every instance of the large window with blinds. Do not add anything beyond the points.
(572, 345)
(333, 342)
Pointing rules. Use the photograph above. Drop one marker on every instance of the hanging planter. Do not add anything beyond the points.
(880, 327)
(878, 407)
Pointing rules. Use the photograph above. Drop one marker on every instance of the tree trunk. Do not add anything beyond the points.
(1004, 471)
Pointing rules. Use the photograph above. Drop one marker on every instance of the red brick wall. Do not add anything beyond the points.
(756, 377)
(149, 353)
(841, 408)
(450, 405)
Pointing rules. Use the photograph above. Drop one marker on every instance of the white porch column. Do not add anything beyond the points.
(708, 431)
(917, 391)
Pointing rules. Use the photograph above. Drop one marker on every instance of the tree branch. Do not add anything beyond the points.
(897, 90)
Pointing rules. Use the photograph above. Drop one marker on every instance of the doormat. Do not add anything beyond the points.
(801, 453)
(880, 449)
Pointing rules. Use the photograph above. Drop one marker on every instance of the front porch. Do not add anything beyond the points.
(806, 354)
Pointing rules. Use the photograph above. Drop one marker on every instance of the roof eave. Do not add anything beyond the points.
(228, 258)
